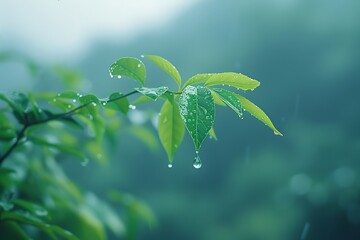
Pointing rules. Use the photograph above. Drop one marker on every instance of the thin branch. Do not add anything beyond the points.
(54, 117)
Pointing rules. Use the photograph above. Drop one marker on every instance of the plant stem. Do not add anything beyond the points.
(21, 134)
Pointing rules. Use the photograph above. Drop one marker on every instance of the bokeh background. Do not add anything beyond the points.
(253, 184)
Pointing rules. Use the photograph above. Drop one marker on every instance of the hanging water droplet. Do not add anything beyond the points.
(119, 76)
(139, 65)
(169, 165)
(197, 162)
(132, 107)
(85, 162)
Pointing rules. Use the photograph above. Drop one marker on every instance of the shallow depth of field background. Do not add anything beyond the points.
(253, 184)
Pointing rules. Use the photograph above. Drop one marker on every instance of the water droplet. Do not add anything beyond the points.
(169, 165)
(58, 94)
(104, 103)
(85, 162)
(277, 133)
(139, 65)
(197, 162)
(142, 56)
(94, 104)
(132, 107)
(119, 76)
(74, 100)
(69, 106)
(41, 212)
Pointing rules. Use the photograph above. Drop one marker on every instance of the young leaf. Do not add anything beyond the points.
(258, 113)
(92, 101)
(199, 78)
(152, 93)
(166, 66)
(236, 80)
(129, 67)
(121, 104)
(171, 128)
(230, 99)
(197, 110)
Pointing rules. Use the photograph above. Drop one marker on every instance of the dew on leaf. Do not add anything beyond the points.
(139, 65)
(170, 165)
(119, 76)
(69, 106)
(197, 162)
(133, 107)
(74, 100)
(94, 104)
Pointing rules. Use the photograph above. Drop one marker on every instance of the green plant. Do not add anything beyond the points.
(38, 128)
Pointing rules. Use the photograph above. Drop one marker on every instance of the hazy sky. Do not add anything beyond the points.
(59, 28)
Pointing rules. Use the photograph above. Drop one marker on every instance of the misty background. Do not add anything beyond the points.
(253, 184)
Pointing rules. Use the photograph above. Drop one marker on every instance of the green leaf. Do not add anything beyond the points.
(129, 67)
(68, 95)
(166, 66)
(230, 99)
(258, 113)
(18, 110)
(142, 99)
(145, 135)
(152, 93)
(91, 102)
(199, 78)
(105, 213)
(213, 134)
(171, 128)
(71, 78)
(236, 80)
(69, 149)
(31, 207)
(121, 104)
(12, 230)
(197, 110)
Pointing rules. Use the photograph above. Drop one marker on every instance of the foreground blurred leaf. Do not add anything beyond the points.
(166, 66)
(129, 67)
(105, 214)
(31, 207)
(12, 231)
(198, 112)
